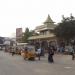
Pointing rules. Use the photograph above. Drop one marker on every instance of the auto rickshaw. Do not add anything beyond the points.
(29, 53)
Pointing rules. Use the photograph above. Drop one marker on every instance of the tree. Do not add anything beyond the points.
(31, 32)
(66, 28)
(26, 35)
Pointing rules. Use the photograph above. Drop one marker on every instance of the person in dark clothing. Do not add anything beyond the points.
(13, 51)
(50, 54)
(73, 54)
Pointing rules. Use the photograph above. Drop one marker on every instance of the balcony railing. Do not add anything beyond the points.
(45, 27)
(41, 36)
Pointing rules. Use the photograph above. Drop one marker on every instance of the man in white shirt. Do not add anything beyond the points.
(39, 52)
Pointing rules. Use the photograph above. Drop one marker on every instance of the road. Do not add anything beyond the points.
(15, 65)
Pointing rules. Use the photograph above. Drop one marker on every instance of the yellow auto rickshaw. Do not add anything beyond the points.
(29, 53)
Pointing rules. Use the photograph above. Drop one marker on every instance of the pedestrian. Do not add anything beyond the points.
(73, 54)
(39, 53)
(71, 50)
(50, 54)
(13, 51)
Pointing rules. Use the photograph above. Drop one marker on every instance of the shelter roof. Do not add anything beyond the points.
(48, 20)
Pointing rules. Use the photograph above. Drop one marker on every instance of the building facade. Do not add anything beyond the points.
(19, 34)
(45, 34)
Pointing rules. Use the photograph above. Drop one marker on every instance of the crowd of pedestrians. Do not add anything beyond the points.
(62, 48)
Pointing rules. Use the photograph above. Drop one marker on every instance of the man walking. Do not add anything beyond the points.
(50, 54)
(39, 53)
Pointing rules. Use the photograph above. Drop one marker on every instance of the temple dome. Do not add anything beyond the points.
(48, 20)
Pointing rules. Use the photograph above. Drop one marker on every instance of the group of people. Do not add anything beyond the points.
(68, 48)
(50, 53)
(61, 48)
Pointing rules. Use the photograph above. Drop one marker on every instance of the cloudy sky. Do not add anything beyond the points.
(31, 13)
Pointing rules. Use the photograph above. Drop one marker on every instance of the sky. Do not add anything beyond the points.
(31, 13)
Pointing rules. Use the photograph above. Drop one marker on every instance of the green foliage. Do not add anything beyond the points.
(66, 29)
(26, 35)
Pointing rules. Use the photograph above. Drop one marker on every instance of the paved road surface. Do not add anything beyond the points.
(15, 65)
